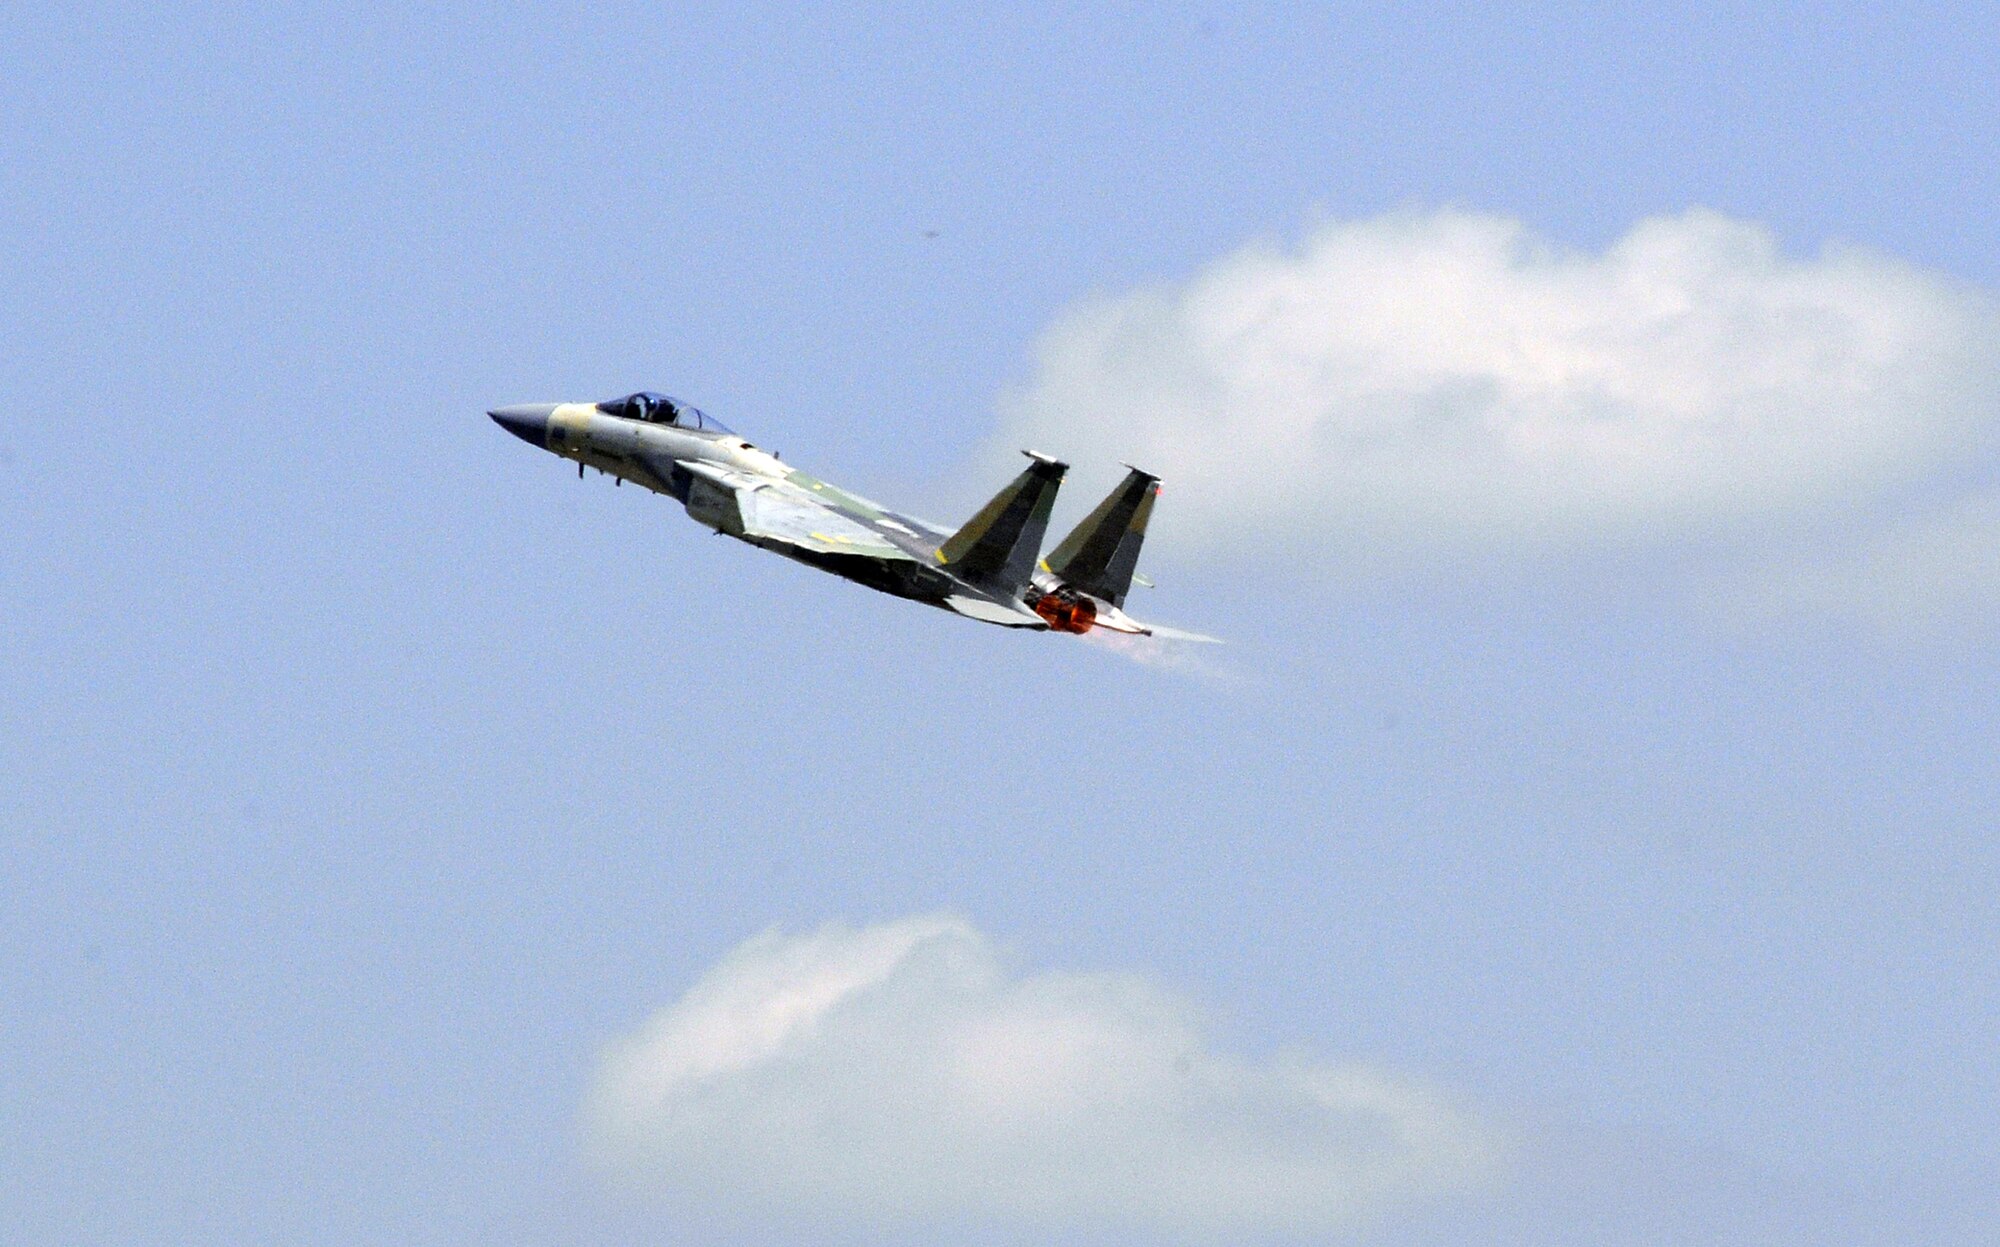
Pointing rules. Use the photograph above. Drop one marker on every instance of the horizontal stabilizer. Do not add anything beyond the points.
(996, 548)
(1100, 556)
(1111, 619)
(1175, 634)
(994, 612)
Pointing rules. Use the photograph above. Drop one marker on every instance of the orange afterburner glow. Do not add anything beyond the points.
(1066, 613)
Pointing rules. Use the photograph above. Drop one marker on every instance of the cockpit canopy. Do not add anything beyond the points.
(659, 409)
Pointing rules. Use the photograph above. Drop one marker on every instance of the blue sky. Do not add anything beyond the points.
(367, 778)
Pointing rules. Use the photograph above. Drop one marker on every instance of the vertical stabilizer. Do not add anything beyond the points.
(996, 549)
(1100, 556)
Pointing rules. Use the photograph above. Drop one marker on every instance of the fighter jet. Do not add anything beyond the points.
(986, 570)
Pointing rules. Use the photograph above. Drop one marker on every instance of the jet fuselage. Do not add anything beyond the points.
(988, 569)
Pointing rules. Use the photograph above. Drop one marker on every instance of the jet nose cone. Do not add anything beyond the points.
(527, 421)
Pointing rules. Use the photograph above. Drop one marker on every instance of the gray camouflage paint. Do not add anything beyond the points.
(986, 570)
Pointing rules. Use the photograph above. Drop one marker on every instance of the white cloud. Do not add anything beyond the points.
(1447, 383)
(902, 1071)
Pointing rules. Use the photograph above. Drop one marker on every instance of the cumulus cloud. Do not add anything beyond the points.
(904, 1071)
(1449, 383)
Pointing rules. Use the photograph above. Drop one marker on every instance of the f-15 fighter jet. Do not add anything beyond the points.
(987, 570)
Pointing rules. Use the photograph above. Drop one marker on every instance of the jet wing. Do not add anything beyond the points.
(773, 513)
(767, 511)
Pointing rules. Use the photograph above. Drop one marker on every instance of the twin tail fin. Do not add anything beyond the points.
(996, 549)
(1101, 555)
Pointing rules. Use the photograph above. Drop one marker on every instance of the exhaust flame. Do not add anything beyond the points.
(1067, 612)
